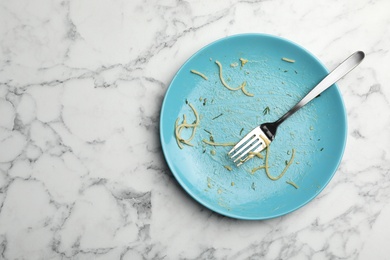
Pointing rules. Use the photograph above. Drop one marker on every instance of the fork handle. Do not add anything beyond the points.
(340, 71)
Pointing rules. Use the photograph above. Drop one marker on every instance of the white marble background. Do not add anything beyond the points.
(82, 175)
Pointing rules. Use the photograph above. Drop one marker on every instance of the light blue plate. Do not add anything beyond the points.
(317, 132)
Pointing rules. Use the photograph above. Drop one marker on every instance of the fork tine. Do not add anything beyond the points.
(246, 146)
(254, 141)
(240, 143)
(257, 143)
(245, 139)
(240, 148)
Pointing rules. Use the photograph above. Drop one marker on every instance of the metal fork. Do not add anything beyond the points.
(261, 136)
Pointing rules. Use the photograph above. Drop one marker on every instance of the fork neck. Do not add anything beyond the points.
(288, 114)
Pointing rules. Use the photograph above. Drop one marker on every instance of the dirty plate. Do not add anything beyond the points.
(317, 132)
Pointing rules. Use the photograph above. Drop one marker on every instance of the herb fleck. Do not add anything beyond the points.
(217, 116)
(207, 131)
(253, 186)
(266, 111)
(242, 129)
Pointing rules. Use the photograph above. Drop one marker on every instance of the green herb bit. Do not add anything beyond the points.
(266, 111)
(321, 149)
(207, 131)
(204, 101)
(242, 129)
(211, 138)
(217, 116)
(253, 186)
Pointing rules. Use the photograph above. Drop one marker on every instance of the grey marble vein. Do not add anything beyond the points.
(82, 174)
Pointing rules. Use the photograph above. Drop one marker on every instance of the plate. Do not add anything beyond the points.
(317, 132)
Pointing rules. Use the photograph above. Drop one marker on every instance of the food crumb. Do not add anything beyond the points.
(228, 167)
(234, 64)
(232, 184)
(209, 182)
(212, 152)
(288, 60)
(243, 62)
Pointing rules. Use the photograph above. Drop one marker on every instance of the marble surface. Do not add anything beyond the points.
(82, 175)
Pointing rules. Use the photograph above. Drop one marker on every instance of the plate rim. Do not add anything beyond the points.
(189, 191)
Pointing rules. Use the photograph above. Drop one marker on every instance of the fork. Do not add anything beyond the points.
(261, 136)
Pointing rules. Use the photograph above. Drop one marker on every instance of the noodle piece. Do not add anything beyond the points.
(245, 91)
(257, 168)
(266, 162)
(223, 81)
(184, 124)
(199, 74)
(288, 60)
(242, 86)
(250, 156)
(177, 134)
(293, 184)
(256, 154)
